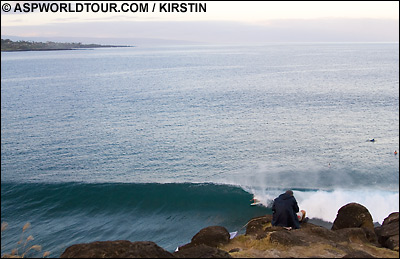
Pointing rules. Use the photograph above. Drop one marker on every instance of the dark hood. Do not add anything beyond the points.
(285, 196)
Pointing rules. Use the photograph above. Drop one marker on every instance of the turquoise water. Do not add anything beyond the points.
(64, 214)
(157, 143)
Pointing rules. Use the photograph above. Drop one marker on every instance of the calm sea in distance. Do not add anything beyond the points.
(157, 143)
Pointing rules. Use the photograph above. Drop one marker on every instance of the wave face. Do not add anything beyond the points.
(168, 214)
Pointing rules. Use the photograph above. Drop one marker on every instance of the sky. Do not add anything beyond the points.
(221, 22)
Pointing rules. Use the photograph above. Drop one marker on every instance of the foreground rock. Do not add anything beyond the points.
(202, 251)
(212, 236)
(354, 215)
(116, 249)
(351, 236)
(257, 226)
(388, 233)
(204, 244)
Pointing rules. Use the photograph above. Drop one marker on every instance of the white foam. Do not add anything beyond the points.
(325, 205)
(325, 188)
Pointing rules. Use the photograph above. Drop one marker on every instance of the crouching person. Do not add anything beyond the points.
(286, 212)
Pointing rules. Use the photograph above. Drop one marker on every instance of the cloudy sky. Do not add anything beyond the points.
(222, 22)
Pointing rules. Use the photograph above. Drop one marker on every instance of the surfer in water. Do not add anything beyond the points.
(255, 201)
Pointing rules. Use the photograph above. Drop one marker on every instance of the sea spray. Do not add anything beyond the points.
(325, 204)
(306, 173)
(338, 185)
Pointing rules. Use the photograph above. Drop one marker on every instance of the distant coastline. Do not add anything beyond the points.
(9, 46)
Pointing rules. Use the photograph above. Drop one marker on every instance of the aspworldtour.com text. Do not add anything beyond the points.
(116, 7)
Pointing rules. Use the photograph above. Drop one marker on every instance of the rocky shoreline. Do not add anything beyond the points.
(352, 235)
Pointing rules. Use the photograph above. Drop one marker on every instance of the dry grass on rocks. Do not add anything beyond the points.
(23, 247)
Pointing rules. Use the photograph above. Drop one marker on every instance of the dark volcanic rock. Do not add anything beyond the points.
(204, 243)
(212, 236)
(392, 243)
(201, 251)
(116, 249)
(234, 250)
(358, 254)
(388, 233)
(393, 217)
(353, 234)
(319, 231)
(286, 238)
(256, 226)
(311, 233)
(353, 215)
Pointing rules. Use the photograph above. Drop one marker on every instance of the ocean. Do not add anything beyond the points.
(156, 143)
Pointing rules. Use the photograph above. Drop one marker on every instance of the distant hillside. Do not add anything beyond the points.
(9, 45)
(137, 42)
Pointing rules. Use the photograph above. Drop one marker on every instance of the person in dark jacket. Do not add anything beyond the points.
(284, 211)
